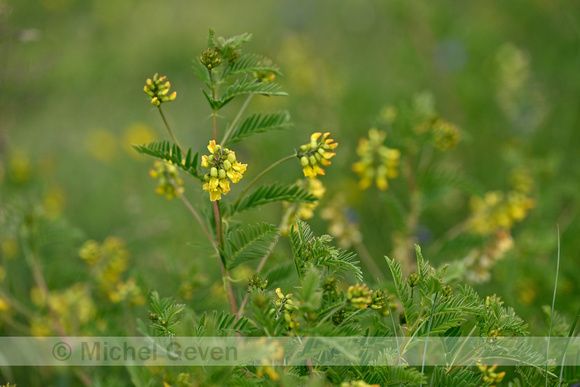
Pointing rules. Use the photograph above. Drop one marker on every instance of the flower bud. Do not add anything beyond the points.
(232, 157)
(304, 161)
(227, 165)
(313, 160)
(222, 173)
(214, 172)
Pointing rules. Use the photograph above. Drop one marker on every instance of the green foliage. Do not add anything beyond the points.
(272, 193)
(164, 316)
(310, 251)
(461, 377)
(168, 152)
(244, 86)
(221, 325)
(259, 123)
(245, 245)
(249, 63)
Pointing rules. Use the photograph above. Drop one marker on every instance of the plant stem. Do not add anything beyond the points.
(262, 174)
(553, 303)
(235, 121)
(429, 331)
(169, 130)
(368, 260)
(198, 218)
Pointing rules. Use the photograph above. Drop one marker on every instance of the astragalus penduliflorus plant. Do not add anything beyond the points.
(331, 300)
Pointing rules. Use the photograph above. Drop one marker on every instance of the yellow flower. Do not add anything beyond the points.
(310, 155)
(445, 135)
(224, 168)
(302, 210)
(168, 179)
(158, 89)
(378, 163)
(498, 211)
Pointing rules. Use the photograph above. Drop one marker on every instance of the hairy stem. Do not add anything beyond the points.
(169, 130)
(262, 174)
(235, 121)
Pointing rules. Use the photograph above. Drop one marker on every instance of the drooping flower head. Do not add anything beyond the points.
(223, 169)
(157, 88)
(317, 151)
(378, 162)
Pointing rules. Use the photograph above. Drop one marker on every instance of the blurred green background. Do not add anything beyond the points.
(71, 103)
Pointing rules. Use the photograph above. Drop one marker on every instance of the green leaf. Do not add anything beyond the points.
(273, 193)
(201, 72)
(242, 86)
(244, 245)
(311, 251)
(251, 62)
(168, 152)
(310, 295)
(259, 123)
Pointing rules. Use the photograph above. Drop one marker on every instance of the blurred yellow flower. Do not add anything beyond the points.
(341, 223)
(20, 166)
(54, 202)
(302, 210)
(497, 210)
(137, 133)
(102, 145)
(167, 179)
(9, 248)
(378, 163)
(445, 135)
(4, 306)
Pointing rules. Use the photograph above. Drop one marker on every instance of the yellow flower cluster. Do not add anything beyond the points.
(378, 162)
(108, 262)
(498, 211)
(489, 374)
(445, 135)
(342, 226)
(479, 261)
(223, 168)
(73, 306)
(157, 88)
(316, 152)
(168, 179)
(359, 296)
(302, 210)
(284, 306)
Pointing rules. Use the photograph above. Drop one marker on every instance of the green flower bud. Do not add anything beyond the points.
(214, 172)
(303, 148)
(217, 149)
(317, 156)
(210, 159)
(313, 144)
(222, 173)
(321, 151)
(313, 160)
(227, 165)
(206, 177)
(304, 161)
(231, 157)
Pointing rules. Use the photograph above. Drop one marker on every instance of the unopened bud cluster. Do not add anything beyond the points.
(256, 282)
(209, 58)
(223, 168)
(168, 181)
(316, 152)
(378, 163)
(489, 374)
(359, 296)
(158, 89)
